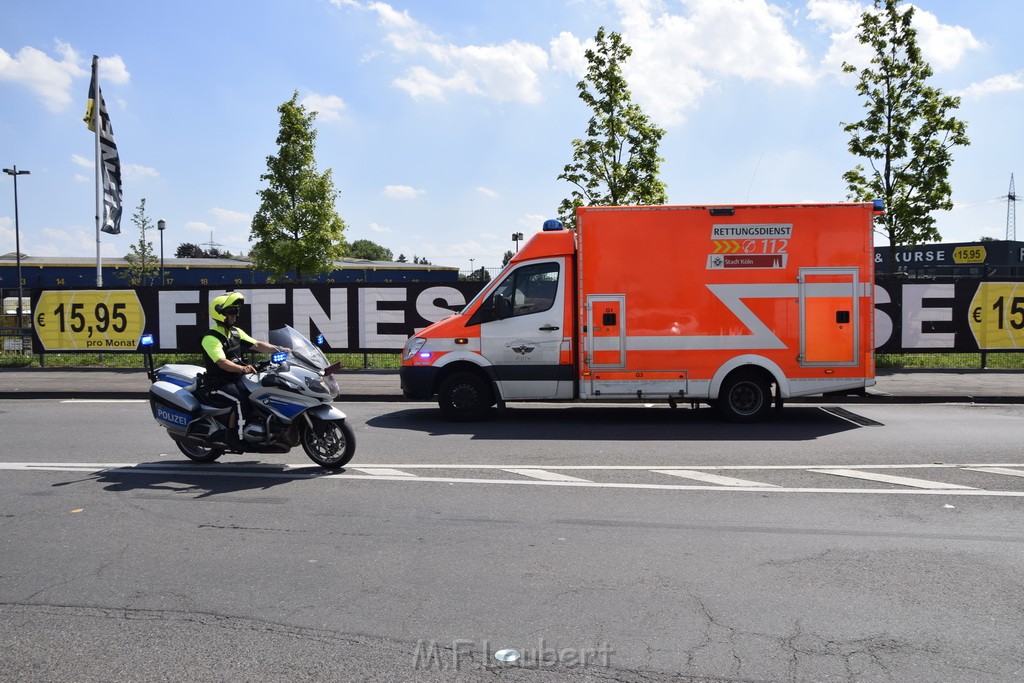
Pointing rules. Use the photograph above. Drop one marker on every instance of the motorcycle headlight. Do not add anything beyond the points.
(412, 347)
(316, 385)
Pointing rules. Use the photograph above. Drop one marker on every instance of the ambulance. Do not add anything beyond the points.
(739, 307)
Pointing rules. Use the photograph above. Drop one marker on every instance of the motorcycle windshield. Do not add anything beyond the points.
(300, 348)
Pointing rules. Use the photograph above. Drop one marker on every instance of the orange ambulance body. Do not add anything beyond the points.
(736, 306)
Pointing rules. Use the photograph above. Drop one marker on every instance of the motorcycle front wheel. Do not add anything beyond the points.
(332, 450)
(198, 453)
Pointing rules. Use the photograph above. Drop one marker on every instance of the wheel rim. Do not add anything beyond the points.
(746, 398)
(465, 397)
(326, 449)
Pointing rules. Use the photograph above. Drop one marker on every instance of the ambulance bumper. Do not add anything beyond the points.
(418, 382)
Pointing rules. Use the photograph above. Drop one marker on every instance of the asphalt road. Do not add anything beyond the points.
(605, 543)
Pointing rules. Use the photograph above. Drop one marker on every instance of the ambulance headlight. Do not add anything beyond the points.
(412, 347)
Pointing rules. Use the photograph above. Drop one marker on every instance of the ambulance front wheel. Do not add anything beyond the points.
(746, 396)
(465, 396)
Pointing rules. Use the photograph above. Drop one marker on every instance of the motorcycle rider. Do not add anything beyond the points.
(223, 346)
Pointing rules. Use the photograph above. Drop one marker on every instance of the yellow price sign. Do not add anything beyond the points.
(90, 320)
(974, 254)
(997, 315)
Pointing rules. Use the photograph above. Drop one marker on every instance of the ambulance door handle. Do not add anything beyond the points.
(547, 328)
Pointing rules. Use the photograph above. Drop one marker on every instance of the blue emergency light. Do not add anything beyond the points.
(279, 357)
(146, 340)
(552, 225)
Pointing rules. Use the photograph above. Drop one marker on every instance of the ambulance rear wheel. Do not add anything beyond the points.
(745, 397)
(465, 396)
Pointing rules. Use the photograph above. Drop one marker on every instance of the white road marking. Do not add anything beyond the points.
(890, 479)
(383, 471)
(105, 400)
(997, 470)
(309, 471)
(713, 478)
(544, 475)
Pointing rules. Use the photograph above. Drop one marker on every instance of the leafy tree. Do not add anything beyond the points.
(297, 229)
(908, 132)
(618, 162)
(506, 258)
(143, 264)
(189, 250)
(401, 259)
(481, 274)
(371, 251)
(421, 261)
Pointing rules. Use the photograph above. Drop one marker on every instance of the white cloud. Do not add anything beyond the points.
(53, 79)
(677, 58)
(49, 79)
(402, 192)
(488, 192)
(506, 72)
(137, 172)
(79, 160)
(993, 86)
(229, 216)
(113, 70)
(374, 227)
(943, 46)
(567, 53)
(328, 107)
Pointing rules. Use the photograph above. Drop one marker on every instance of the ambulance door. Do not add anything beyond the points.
(523, 337)
(829, 316)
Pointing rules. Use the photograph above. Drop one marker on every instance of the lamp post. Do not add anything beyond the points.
(17, 233)
(471, 273)
(516, 236)
(160, 225)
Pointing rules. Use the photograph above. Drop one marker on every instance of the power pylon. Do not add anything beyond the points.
(1011, 213)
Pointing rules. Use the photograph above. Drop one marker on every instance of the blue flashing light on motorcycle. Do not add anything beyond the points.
(279, 357)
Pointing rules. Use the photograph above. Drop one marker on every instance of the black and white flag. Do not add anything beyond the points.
(110, 167)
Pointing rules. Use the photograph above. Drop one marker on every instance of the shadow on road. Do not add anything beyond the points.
(626, 423)
(198, 480)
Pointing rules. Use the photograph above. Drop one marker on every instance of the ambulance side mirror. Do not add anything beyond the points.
(502, 307)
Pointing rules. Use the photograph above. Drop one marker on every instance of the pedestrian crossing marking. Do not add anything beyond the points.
(709, 478)
(383, 471)
(544, 475)
(997, 470)
(891, 479)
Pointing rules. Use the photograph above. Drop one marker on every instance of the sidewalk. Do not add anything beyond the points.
(903, 386)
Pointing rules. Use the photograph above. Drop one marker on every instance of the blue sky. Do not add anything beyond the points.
(446, 122)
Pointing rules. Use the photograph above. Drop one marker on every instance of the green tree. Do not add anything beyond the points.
(189, 250)
(297, 229)
(371, 251)
(401, 259)
(618, 162)
(908, 132)
(143, 264)
(506, 258)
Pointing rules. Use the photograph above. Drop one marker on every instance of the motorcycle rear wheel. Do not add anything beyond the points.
(334, 449)
(198, 453)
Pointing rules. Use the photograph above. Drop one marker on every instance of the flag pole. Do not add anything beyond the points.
(99, 161)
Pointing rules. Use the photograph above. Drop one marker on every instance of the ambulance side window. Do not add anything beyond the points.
(530, 289)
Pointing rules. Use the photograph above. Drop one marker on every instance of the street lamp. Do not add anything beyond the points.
(471, 268)
(17, 234)
(516, 236)
(160, 225)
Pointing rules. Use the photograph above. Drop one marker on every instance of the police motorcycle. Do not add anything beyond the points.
(290, 397)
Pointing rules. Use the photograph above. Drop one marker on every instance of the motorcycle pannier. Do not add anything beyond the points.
(173, 406)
